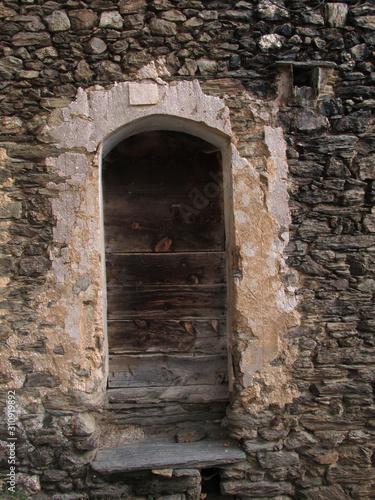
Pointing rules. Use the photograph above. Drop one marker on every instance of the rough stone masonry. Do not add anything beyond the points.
(291, 88)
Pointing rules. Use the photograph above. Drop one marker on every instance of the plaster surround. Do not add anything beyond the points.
(260, 307)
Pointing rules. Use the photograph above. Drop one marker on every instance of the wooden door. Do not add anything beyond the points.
(166, 271)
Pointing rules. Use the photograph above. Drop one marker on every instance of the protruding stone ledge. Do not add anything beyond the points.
(148, 455)
(307, 64)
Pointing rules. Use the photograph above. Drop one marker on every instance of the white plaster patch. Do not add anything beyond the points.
(241, 217)
(143, 94)
(286, 302)
(251, 362)
(64, 208)
(248, 249)
(89, 120)
(238, 162)
(73, 166)
(155, 70)
(278, 199)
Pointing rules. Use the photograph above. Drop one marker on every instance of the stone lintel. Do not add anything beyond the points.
(307, 64)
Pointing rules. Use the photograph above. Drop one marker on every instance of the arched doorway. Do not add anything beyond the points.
(163, 205)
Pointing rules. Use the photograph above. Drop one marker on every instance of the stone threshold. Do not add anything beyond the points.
(162, 454)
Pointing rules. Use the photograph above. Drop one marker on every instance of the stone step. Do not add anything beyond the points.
(156, 454)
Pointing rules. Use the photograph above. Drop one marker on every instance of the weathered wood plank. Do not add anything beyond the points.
(165, 414)
(187, 394)
(204, 336)
(156, 370)
(165, 268)
(136, 222)
(160, 455)
(167, 302)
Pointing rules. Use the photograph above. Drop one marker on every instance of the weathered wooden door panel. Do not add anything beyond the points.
(163, 269)
(165, 370)
(166, 279)
(137, 222)
(166, 302)
(175, 393)
(167, 413)
(197, 336)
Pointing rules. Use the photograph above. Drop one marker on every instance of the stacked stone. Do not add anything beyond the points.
(321, 445)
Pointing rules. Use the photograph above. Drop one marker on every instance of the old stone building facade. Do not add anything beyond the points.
(241, 357)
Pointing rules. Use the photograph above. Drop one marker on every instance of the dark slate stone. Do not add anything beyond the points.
(337, 168)
(109, 71)
(257, 489)
(24, 39)
(351, 39)
(286, 30)
(119, 47)
(9, 66)
(306, 169)
(309, 120)
(331, 107)
(59, 350)
(162, 27)
(41, 379)
(38, 346)
(356, 122)
(25, 365)
(235, 62)
(34, 266)
(54, 475)
(237, 15)
(7, 266)
(357, 91)
(343, 145)
(334, 492)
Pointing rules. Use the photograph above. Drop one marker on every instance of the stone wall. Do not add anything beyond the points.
(303, 396)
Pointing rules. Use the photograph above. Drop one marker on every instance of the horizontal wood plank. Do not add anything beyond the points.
(204, 336)
(166, 370)
(137, 222)
(160, 455)
(167, 302)
(165, 268)
(187, 394)
(164, 414)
